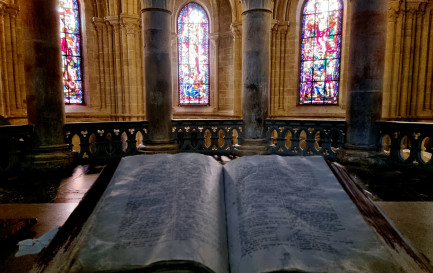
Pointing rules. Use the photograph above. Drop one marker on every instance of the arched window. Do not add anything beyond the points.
(193, 55)
(320, 52)
(70, 35)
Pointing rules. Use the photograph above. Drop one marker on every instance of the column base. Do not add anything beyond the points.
(361, 156)
(158, 147)
(49, 159)
(253, 147)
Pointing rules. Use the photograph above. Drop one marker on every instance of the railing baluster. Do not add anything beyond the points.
(17, 140)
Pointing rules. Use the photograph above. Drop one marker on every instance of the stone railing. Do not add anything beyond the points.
(15, 144)
(306, 137)
(208, 136)
(403, 143)
(100, 141)
(407, 143)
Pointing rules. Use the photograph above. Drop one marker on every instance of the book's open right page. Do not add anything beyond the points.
(290, 213)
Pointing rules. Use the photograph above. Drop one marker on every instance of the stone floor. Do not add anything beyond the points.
(405, 196)
(49, 200)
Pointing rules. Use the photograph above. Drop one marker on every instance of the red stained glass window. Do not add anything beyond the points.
(70, 36)
(193, 55)
(320, 52)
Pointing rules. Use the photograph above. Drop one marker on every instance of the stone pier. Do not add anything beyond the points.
(156, 16)
(256, 35)
(43, 75)
(368, 28)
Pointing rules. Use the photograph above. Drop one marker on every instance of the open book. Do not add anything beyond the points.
(188, 213)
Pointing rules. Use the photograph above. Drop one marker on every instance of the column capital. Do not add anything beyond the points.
(99, 23)
(414, 6)
(214, 36)
(130, 22)
(160, 5)
(274, 25)
(114, 23)
(393, 10)
(251, 5)
(236, 29)
(12, 10)
(279, 26)
(3, 4)
(114, 20)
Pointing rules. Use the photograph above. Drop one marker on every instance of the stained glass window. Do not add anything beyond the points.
(320, 52)
(193, 50)
(70, 36)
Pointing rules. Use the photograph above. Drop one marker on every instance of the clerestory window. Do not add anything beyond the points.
(320, 52)
(70, 35)
(193, 55)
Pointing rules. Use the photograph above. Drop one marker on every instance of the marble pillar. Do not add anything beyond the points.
(256, 35)
(368, 28)
(156, 16)
(43, 77)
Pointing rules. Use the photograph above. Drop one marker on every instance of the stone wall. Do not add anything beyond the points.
(113, 62)
(12, 85)
(408, 91)
(114, 65)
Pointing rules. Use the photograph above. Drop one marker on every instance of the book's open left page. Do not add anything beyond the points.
(157, 208)
(290, 213)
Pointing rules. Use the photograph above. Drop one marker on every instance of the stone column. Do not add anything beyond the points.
(256, 38)
(43, 72)
(156, 16)
(365, 79)
(236, 29)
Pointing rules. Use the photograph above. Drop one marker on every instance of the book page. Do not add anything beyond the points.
(291, 213)
(158, 208)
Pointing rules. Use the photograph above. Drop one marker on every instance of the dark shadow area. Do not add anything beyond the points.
(35, 188)
(394, 184)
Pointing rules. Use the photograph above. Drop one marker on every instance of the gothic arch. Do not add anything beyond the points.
(220, 15)
(210, 6)
(321, 34)
(72, 51)
(344, 52)
(337, 110)
(86, 9)
(193, 55)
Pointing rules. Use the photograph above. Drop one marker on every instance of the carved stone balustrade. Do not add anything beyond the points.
(407, 144)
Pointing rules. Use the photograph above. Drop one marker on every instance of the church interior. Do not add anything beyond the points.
(87, 82)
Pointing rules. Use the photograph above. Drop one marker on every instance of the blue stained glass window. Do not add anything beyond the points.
(193, 55)
(320, 52)
(70, 36)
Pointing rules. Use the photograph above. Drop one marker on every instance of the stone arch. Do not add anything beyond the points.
(220, 42)
(286, 52)
(323, 27)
